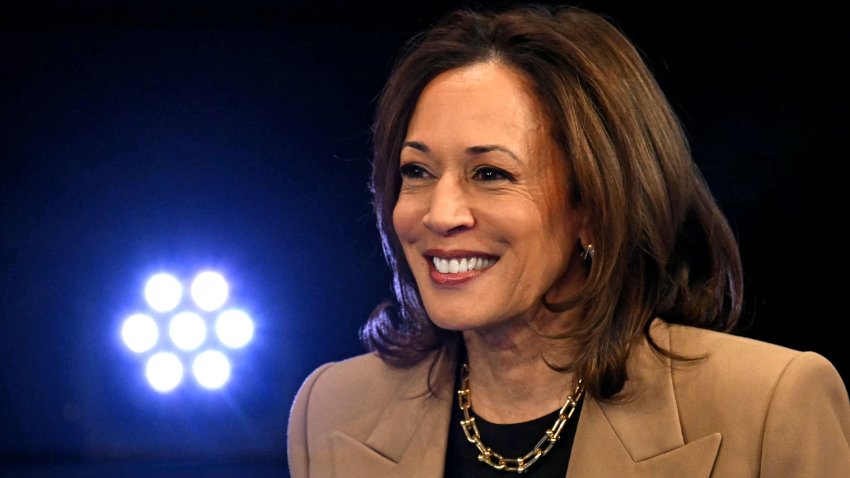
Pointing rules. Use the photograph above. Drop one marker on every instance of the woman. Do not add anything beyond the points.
(560, 263)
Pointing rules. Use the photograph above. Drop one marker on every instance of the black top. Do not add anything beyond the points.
(513, 441)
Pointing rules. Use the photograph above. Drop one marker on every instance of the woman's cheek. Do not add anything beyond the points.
(405, 217)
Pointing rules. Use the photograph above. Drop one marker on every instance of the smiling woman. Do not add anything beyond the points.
(483, 182)
(560, 262)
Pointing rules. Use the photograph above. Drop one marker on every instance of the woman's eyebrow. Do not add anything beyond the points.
(472, 150)
(416, 145)
(476, 150)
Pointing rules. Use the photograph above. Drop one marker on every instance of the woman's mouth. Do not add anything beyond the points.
(458, 270)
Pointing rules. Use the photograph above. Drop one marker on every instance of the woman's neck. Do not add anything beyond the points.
(509, 380)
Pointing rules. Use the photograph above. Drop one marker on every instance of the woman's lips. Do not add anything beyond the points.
(456, 278)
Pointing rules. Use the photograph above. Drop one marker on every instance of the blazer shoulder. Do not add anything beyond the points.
(345, 373)
(750, 391)
(365, 375)
(727, 362)
(751, 357)
(349, 398)
(807, 429)
(334, 394)
(342, 384)
(738, 359)
(349, 395)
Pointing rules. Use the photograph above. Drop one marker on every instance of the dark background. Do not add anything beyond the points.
(234, 135)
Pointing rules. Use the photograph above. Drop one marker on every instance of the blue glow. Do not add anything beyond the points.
(164, 372)
(140, 333)
(187, 330)
(234, 328)
(209, 291)
(163, 292)
(211, 369)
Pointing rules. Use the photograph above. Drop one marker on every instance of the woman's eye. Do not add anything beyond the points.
(413, 171)
(489, 173)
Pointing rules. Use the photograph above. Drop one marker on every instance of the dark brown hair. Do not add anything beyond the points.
(662, 246)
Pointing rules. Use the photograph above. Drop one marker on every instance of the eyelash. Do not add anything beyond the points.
(412, 171)
(485, 173)
(489, 171)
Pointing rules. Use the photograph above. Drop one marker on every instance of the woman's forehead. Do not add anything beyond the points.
(481, 104)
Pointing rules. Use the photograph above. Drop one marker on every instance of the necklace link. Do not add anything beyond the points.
(497, 461)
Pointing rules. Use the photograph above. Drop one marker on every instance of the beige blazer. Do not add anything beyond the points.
(750, 409)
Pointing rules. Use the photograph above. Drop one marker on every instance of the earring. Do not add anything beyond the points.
(587, 253)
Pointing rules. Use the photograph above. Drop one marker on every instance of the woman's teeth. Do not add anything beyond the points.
(453, 266)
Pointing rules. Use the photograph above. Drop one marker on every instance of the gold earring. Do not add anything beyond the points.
(587, 253)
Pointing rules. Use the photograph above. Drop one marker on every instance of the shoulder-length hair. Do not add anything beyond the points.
(662, 246)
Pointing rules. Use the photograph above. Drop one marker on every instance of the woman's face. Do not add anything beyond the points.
(483, 215)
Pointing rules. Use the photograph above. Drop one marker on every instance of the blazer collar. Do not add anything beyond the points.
(642, 435)
(639, 437)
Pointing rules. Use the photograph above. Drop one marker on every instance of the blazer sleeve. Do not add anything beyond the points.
(807, 428)
(298, 453)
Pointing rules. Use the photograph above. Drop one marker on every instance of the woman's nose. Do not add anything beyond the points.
(449, 210)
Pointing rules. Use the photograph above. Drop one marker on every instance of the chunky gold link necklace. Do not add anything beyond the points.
(497, 461)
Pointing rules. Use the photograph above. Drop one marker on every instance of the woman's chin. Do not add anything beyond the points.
(459, 323)
(470, 322)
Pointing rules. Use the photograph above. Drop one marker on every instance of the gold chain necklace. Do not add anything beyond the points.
(497, 461)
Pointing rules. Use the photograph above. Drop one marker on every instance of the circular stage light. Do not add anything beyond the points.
(163, 292)
(209, 291)
(234, 328)
(140, 333)
(164, 372)
(211, 369)
(187, 330)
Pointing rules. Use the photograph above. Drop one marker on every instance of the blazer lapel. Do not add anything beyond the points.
(642, 436)
(598, 452)
(409, 439)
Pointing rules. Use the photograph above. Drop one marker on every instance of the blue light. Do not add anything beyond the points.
(211, 369)
(209, 291)
(164, 372)
(140, 333)
(187, 330)
(186, 339)
(234, 328)
(163, 292)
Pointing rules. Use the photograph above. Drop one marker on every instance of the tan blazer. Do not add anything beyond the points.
(750, 409)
